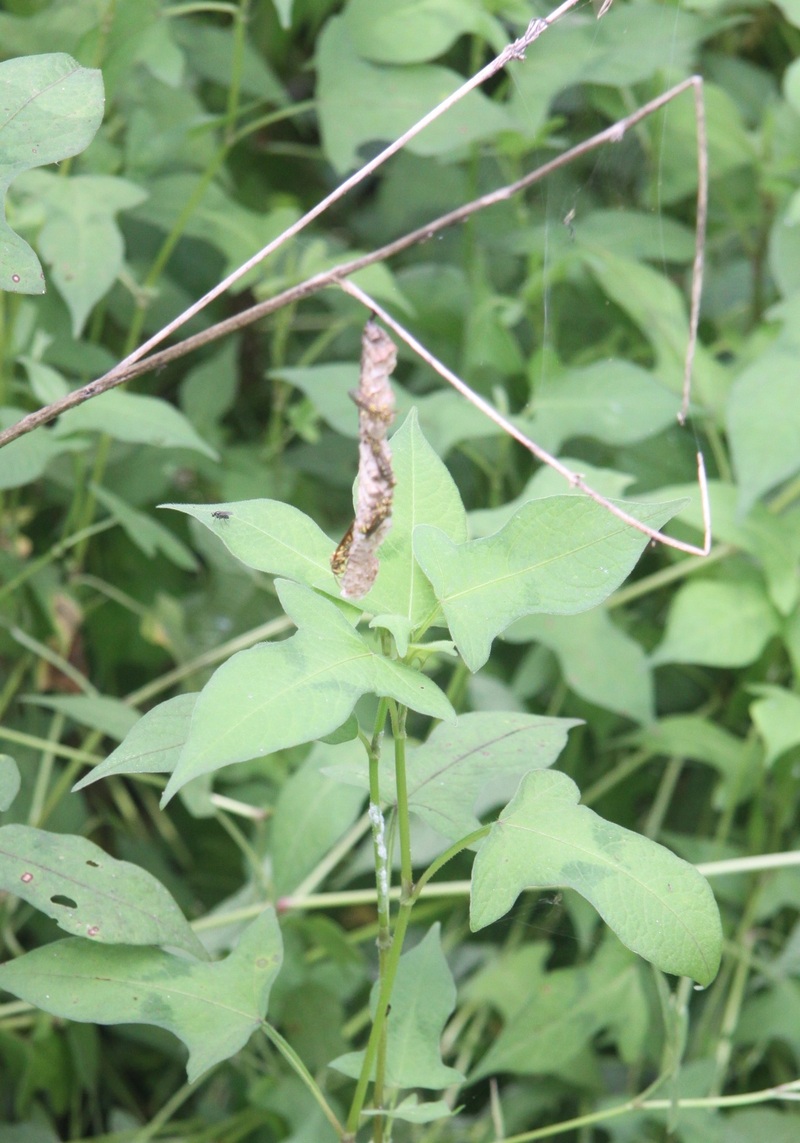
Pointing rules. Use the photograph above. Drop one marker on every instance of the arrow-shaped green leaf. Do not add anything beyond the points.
(468, 758)
(425, 493)
(559, 555)
(423, 997)
(277, 695)
(153, 745)
(657, 904)
(270, 536)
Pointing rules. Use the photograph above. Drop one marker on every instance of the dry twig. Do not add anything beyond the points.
(138, 362)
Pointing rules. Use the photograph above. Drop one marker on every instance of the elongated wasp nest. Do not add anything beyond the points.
(355, 561)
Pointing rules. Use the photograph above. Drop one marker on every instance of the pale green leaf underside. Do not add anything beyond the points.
(777, 719)
(411, 31)
(24, 460)
(88, 893)
(559, 555)
(657, 904)
(81, 241)
(51, 108)
(410, 1111)
(212, 1008)
(425, 493)
(312, 812)
(463, 762)
(763, 422)
(423, 997)
(361, 103)
(108, 715)
(153, 744)
(277, 695)
(270, 536)
(610, 400)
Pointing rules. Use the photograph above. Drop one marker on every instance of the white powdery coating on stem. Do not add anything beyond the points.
(379, 838)
(376, 405)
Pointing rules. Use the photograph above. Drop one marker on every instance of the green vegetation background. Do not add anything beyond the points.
(566, 305)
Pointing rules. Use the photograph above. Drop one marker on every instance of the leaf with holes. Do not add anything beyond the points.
(89, 893)
(213, 1008)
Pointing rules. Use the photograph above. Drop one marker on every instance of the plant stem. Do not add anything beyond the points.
(55, 553)
(390, 945)
(381, 1012)
(398, 715)
(294, 1061)
(781, 1091)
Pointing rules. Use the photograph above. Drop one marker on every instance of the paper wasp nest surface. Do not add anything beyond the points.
(355, 561)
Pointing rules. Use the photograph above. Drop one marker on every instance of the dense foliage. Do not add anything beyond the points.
(499, 647)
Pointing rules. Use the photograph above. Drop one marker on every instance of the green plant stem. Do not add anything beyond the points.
(193, 9)
(165, 1113)
(239, 14)
(448, 855)
(733, 1005)
(297, 1065)
(246, 849)
(407, 902)
(13, 684)
(50, 656)
(44, 772)
(618, 774)
(381, 1012)
(331, 859)
(666, 788)
(167, 246)
(380, 852)
(66, 778)
(86, 511)
(666, 576)
(785, 498)
(719, 452)
(237, 69)
(398, 716)
(390, 945)
(457, 685)
(55, 553)
(349, 897)
(711, 1103)
(37, 743)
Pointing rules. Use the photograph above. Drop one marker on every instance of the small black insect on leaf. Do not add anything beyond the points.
(221, 515)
